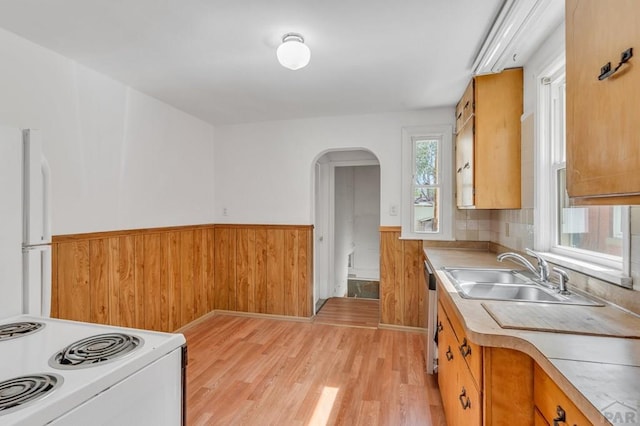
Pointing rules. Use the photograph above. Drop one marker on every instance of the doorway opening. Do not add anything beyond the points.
(347, 221)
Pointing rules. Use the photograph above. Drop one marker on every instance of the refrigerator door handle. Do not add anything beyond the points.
(33, 247)
(46, 199)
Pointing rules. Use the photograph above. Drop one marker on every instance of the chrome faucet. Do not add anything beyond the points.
(542, 272)
(543, 266)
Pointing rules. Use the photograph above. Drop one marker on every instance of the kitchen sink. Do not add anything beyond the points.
(517, 292)
(508, 284)
(505, 276)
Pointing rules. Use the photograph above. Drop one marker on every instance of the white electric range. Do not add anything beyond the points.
(142, 386)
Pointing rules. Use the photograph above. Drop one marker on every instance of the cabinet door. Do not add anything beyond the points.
(603, 117)
(464, 166)
(446, 370)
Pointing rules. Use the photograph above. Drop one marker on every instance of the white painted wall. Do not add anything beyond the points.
(263, 171)
(119, 159)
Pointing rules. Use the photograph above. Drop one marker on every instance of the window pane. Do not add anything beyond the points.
(426, 162)
(425, 210)
(593, 228)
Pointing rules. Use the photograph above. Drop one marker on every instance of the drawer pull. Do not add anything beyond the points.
(449, 354)
(606, 71)
(467, 165)
(459, 115)
(459, 170)
(561, 416)
(466, 105)
(465, 349)
(464, 399)
(440, 327)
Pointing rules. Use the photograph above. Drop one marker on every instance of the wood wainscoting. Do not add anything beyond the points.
(403, 294)
(164, 278)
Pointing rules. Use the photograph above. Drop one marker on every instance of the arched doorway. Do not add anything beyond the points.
(347, 220)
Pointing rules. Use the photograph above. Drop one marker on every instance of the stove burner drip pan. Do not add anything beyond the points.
(20, 391)
(18, 329)
(95, 350)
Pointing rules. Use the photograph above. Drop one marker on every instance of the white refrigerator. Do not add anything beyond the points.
(25, 232)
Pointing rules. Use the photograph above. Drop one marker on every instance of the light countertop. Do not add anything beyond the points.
(595, 372)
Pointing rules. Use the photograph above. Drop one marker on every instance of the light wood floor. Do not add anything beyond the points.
(350, 311)
(254, 371)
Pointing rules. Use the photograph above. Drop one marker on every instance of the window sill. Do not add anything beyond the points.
(601, 272)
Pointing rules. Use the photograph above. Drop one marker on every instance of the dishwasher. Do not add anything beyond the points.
(431, 349)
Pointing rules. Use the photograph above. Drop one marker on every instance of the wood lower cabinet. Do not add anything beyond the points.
(494, 386)
(480, 385)
(603, 130)
(461, 397)
(554, 406)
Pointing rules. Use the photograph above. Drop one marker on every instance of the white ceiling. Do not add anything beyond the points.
(215, 59)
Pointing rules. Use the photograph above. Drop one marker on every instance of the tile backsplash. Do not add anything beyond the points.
(473, 225)
(510, 228)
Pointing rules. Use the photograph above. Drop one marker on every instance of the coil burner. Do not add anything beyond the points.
(20, 391)
(18, 329)
(95, 350)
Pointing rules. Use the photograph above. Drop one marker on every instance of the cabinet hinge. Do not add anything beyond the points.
(546, 81)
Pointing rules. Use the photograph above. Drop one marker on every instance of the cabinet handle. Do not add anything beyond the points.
(449, 354)
(440, 327)
(464, 399)
(465, 349)
(467, 165)
(561, 416)
(606, 71)
(459, 115)
(466, 105)
(459, 170)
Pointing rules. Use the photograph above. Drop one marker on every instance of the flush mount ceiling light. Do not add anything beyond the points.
(293, 53)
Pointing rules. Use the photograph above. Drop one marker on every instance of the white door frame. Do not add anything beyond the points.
(326, 212)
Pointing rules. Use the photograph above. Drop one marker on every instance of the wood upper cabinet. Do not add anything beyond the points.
(488, 142)
(603, 116)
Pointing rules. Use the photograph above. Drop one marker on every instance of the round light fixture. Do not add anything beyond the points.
(293, 53)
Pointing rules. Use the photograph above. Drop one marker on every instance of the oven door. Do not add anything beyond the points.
(151, 396)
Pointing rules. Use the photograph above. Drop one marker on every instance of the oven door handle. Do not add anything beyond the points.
(429, 276)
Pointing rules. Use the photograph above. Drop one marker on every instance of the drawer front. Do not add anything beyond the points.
(553, 403)
(471, 352)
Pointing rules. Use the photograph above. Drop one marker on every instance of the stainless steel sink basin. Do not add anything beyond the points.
(506, 276)
(508, 284)
(517, 292)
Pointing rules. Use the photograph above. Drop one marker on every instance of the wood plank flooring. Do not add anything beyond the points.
(255, 371)
(350, 311)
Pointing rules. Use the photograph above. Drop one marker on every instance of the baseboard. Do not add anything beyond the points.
(405, 328)
(195, 322)
(264, 316)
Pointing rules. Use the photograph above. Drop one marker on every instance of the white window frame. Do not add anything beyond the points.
(444, 133)
(602, 266)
